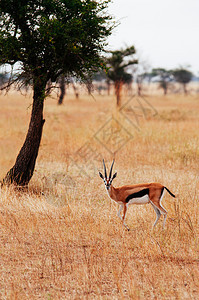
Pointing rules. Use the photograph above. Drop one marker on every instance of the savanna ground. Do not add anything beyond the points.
(61, 237)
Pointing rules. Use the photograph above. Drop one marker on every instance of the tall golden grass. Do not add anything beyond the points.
(61, 238)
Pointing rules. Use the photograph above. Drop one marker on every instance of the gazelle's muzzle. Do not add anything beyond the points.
(108, 184)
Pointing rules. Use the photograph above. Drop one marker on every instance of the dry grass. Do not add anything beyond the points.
(61, 238)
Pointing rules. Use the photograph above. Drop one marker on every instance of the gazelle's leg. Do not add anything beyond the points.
(123, 218)
(158, 214)
(164, 221)
(163, 212)
(159, 209)
(119, 212)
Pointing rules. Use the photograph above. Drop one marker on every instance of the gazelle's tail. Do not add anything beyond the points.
(169, 192)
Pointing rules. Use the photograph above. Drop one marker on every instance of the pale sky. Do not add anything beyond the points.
(165, 32)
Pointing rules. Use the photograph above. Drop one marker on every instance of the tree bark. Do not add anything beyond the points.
(118, 88)
(62, 90)
(22, 171)
(185, 88)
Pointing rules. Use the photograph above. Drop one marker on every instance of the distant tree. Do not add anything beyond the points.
(139, 80)
(182, 76)
(3, 79)
(100, 78)
(141, 74)
(62, 87)
(75, 89)
(108, 83)
(117, 64)
(49, 38)
(63, 83)
(164, 77)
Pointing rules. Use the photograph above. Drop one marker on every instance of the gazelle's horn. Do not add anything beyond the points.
(110, 174)
(105, 174)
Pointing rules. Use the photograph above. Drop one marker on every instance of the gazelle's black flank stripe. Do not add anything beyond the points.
(137, 195)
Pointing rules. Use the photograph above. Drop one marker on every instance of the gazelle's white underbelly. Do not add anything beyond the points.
(142, 200)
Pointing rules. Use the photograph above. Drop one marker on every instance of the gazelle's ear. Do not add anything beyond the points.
(114, 175)
(100, 174)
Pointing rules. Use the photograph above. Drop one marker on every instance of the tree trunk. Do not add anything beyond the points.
(62, 90)
(118, 88)
(75, 91)
(185, 88)
(139, 88)
(22, 171)
(108, 86)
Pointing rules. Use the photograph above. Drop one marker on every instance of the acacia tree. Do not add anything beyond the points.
(164, 78)
(140, 72)
(183, 76)
(117, 64)
(49, 38)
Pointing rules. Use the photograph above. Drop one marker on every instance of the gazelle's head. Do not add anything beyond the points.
(108, 181)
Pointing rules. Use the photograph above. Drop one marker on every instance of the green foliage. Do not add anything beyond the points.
(163, 73)
(117, 64)
(51, 37)
(182, 75)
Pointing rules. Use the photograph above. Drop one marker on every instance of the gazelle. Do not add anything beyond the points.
(142, 193)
